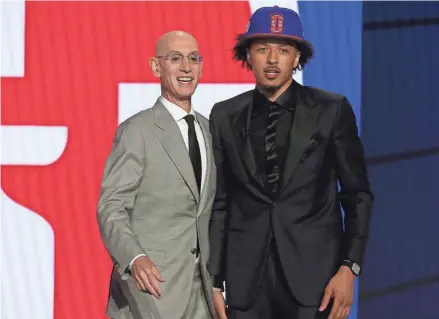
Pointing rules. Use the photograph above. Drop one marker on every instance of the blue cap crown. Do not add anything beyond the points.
(275, 22)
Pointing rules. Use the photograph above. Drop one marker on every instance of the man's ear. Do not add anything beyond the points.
(249, 60)
(296, 59)
(155, 67)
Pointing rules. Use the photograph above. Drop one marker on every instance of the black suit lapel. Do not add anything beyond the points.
(240, 125)
(303, 135)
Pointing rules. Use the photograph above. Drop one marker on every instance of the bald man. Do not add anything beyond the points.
(156, 197)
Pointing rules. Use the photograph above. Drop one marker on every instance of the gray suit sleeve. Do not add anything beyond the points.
(122, 175)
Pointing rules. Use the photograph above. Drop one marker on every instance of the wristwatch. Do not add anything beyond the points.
(354, 267)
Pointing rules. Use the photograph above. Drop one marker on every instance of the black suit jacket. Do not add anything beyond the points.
(306, 217)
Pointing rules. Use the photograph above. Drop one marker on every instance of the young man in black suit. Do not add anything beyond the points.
(277, 234)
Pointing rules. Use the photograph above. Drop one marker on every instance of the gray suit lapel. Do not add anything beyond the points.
(169, 134)
(209, 164)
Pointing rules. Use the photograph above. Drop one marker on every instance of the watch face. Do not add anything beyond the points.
(356, 269)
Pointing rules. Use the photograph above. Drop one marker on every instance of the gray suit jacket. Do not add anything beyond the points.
(149, 204)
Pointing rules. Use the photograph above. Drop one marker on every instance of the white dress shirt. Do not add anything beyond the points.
(178, 114)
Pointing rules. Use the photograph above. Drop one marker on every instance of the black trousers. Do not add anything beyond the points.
(274, 299)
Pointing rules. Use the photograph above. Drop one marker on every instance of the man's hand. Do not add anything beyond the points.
(146, 276)
(341, 289)
(219, 304)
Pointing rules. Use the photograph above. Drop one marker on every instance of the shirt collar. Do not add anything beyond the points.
(177, 112)
(286, 99)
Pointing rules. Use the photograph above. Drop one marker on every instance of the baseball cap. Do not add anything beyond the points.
(275, 22)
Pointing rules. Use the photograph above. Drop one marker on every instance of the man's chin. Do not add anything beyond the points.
(186, 91)
(271, 87)
(183, 96)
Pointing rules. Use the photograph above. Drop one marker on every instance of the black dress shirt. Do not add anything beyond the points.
(258, 125)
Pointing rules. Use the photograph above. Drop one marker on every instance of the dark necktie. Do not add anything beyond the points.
(195, 155)
(194, 149)
(270, 148)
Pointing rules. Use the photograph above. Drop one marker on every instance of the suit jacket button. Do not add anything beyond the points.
(194, 251)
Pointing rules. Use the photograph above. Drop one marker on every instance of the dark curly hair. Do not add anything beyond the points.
(243, 45)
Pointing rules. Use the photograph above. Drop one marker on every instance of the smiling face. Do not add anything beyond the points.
(273, 62)
(178, 65)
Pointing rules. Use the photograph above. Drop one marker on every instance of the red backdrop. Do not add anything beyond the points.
(76, 53)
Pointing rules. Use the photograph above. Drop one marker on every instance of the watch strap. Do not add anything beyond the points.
(353, 266)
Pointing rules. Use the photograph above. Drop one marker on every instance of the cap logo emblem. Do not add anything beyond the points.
(277, 23)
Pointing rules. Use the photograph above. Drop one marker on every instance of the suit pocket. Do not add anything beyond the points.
(157, 256)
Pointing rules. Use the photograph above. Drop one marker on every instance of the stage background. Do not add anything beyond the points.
(71, 71)
(400, 117)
